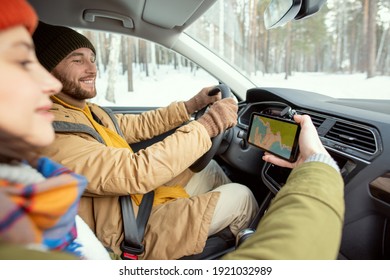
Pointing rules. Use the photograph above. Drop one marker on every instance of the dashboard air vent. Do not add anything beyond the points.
(316, 119)
(353, 136)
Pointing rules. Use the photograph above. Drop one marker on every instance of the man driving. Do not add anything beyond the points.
(188, 207)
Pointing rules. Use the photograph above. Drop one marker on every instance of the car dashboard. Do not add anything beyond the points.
(355, 134)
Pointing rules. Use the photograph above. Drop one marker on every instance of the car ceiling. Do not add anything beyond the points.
(160, 21)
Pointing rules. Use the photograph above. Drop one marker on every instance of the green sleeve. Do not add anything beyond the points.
(17, 252)
(304, 220)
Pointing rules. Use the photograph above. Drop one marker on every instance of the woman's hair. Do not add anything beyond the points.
(14, 149)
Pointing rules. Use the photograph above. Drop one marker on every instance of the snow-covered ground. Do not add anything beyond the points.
(168, 85)
(334, 85)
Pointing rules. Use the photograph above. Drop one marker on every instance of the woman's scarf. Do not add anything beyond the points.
(43, 212)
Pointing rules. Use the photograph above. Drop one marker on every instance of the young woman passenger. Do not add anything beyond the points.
(38, 197)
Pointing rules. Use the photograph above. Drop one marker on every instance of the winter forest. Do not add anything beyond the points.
(346, 36)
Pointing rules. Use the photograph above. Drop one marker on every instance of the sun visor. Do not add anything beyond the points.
(170, 13)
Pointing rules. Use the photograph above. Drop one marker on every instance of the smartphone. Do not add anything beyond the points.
(275, 135)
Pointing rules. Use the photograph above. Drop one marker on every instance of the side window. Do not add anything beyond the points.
(138, 73)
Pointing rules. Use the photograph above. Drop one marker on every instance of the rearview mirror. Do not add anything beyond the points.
(309, 7)
(279, 12)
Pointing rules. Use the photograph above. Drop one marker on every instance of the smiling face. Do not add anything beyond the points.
(25, 88)
(77, 72)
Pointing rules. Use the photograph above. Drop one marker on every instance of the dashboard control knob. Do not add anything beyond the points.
(241, 134)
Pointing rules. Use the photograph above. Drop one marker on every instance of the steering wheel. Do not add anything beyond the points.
(215, 141)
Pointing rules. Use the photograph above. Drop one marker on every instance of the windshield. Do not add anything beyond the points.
(342, 51)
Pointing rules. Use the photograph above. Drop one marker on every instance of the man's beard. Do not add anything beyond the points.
(73, 89)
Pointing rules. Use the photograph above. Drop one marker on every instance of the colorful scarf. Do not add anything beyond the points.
(44, 212)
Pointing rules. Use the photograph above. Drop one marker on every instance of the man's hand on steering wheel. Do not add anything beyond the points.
(219, 117)
(205, 97)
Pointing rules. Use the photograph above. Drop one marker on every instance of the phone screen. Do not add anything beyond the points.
(276, 136)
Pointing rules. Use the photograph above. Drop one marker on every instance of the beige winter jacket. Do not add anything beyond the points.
(175, 229)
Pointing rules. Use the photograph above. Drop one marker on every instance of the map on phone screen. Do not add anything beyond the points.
(275, 136)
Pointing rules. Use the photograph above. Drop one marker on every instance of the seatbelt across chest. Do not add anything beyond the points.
(134, 228)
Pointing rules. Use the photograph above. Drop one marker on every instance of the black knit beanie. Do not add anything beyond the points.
(53, 43)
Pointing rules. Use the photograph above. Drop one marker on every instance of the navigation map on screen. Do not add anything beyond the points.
(273, 135)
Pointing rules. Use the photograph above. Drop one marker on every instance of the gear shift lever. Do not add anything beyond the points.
(243, 235)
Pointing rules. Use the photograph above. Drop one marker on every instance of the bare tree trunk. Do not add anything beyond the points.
(221, 29)
(364, 50)
(211, 35)
(123, 55)
(136, 51)
(130, 45)
(381, 45)
(153, 62)
(287, 61)
(373, 8)
(112, 68)
(252, 36)
(386, 66)
(267, 51)
(233, 46)
(354, 52)
(339, 56)
(105, 46)
(143, 57)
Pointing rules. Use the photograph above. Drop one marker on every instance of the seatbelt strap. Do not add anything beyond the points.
(134, 228)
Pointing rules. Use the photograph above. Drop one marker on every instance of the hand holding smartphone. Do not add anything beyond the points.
(275, 135)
